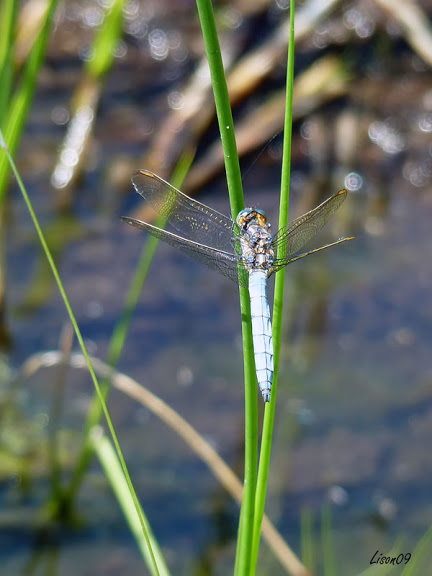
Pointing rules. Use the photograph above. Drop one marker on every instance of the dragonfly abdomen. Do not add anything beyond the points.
(261, 331)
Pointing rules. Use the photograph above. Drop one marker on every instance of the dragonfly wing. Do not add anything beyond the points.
(288, 241)
(279, 264)
(223, 262)
(191, 218)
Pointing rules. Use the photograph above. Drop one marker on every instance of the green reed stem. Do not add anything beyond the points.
(13, 117)
(267, 435)
(328, 548)
(117, 342)
(232, 167)
(307, 540)
(106, 40)
(107, 457)
(8, 11)
(80, 339)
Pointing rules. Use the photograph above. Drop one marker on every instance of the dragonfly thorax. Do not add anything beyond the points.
(255, 240)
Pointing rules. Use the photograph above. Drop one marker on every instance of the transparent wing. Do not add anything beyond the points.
(281, 263)
(193, 220)
(288, 241)
(223, 262)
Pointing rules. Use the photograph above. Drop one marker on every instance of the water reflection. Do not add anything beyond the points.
(387, 137)
(73, 146)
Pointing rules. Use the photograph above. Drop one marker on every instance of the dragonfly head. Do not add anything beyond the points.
(248, 214)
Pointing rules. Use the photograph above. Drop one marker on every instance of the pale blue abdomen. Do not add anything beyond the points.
(261, 331)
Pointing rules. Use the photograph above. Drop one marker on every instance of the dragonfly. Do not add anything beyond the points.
(244, 251)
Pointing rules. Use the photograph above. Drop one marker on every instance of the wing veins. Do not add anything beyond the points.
(278, 264)
(191, 218)
(220, 261)
(305, 227)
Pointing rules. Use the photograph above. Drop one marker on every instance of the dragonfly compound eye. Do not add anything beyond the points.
(244, 216)
(248, 214)
(261, 217)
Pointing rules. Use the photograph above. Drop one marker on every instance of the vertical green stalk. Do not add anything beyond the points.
(267, 436)
(106, 41)
(307, 540)
(232, 167)
(327, 543)
(142, 519)
(16, 114)
(104, 450)
(116, 345)
(8, 10)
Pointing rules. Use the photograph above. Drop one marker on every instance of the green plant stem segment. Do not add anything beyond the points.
(232, 167)
(80, 339)
(106, 40)
(8, 11)
(111, 465)
(327, 543)
(267, 435)
(117, 343)
(14, 117)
